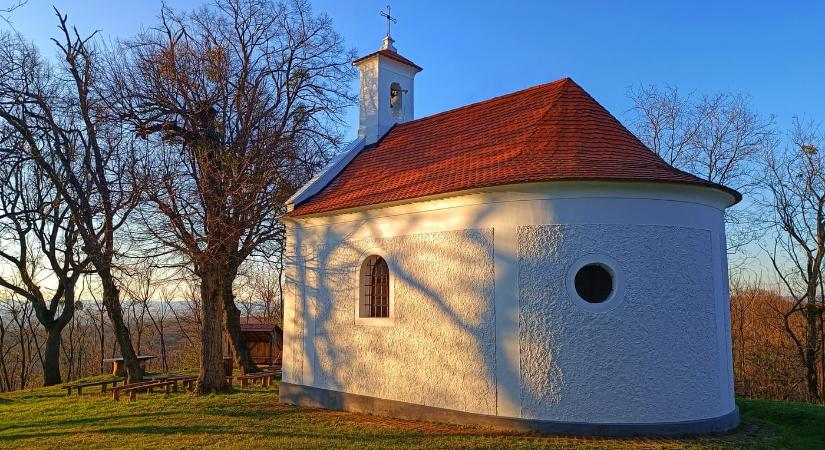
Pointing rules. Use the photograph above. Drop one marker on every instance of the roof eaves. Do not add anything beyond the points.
(391, 55)
(737, 197)
(318, 182)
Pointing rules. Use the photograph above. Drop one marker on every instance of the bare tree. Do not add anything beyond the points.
(186, 311)
(244, 101)
(60, 115)
(730, 137)
(159, 316)
(796, 181)
(74, 344)
(97, 317)
(5, 384)
(22, 345)
(39, 240)
(665, 121)
(20, 313)
(144, 293)
(766, 363)
(262, 295)
(9, 7)
(716, 137)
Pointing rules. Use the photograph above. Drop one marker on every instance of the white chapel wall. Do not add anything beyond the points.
(439, 349)
(484, 323)
(646, 358)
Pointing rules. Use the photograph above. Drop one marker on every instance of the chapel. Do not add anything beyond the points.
(524, 262)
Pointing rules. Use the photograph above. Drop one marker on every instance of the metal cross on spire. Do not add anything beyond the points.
(389, 19)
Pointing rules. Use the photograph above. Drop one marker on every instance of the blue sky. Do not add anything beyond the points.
(471, 51)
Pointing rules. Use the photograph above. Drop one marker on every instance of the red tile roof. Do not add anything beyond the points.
(391, 55)
(551, 132)
(268, 327)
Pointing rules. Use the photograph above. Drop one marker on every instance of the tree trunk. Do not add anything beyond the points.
(102, 341)
(164, 359)
(24, 357)
(111, 300)
(811, 343)
(281, 284)
(822, 357)
(7, 386)
(54, 333)
(51, 359)
(233, 327)
(211, 379)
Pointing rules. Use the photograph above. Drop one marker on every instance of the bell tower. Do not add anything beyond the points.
(386, 89)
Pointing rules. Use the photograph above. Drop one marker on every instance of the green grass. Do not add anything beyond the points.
(797, 425)
(252, 418)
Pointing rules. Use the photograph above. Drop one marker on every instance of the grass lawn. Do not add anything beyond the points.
(252, 418)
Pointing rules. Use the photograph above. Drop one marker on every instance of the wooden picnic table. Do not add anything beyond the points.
(119, 368)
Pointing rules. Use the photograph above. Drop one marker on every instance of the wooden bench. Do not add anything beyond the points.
(117, 390)
(276, 369)
(170, 384)
(264, 377)
(150, 387)
(103, 386)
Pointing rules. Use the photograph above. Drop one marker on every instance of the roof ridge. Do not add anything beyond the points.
(489, 100)
(565, 89)
(639, 141)
(565, 82)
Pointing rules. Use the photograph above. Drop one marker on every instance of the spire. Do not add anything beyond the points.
(386, 96)
(388, 40)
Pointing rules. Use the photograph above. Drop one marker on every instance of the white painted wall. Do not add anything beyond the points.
(442, 319)
(647, 356)
(483, 321)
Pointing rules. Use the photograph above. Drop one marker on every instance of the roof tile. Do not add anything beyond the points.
(554, 131)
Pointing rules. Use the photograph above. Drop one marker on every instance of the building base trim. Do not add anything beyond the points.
(313, 397)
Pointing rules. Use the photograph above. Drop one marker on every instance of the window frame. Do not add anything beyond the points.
(360, 308)
(615, 298)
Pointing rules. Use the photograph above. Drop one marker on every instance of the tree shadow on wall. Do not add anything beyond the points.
(446, 275)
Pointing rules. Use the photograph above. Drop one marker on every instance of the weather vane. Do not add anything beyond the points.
(389, 19)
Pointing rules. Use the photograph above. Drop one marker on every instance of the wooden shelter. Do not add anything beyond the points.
(265, 341)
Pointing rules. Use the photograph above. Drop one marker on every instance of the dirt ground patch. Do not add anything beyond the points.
(748, 433)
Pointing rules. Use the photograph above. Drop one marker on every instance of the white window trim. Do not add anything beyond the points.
(615, 269)
(374, 321)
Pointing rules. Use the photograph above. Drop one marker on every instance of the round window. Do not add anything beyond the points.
(594, 283)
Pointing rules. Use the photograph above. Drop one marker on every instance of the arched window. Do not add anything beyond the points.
(396, 100)
(375, 287)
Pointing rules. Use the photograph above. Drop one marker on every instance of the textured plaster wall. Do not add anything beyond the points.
(506, 339)
(294, 335)
(439, 349)
(652, 358)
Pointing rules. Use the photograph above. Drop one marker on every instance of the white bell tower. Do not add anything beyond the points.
(386, 92)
